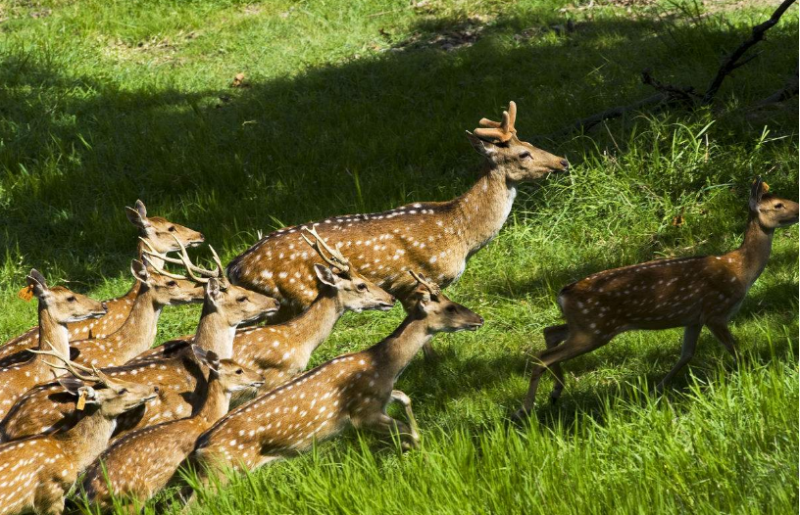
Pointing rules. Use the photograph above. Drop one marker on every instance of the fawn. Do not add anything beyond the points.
(139, 465)
(177, 374)
(138, 333)
(156, 232)
(353, 389)
(282, 351)
(36, 473)
(686, 292)
(58, 307)
(435, 238)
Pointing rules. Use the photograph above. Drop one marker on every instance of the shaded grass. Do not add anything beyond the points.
(106, 102)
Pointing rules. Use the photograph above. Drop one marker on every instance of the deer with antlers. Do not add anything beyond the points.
(686, 292)
(156, 289)
(177, 374)
(157, 233)
(436, 238)
(36, 473)
(58, 307)
(142, 463)
(283, 350)
(353, 389)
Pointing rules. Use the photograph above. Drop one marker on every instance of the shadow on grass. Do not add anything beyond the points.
(359, 135)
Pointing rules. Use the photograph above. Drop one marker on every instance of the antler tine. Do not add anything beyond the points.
(495, 135)
(165, 273)
(191, 267)
(69, 366)
(499, 132)
(336, 258)
(512, 116)
(434, 289)
(485, 122)
(156, 254)
(218, 261)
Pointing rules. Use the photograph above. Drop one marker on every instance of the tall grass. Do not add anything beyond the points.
(355, 106)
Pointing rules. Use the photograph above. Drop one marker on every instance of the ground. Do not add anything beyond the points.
(354, 106)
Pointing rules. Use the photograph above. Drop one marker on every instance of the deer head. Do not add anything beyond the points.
(159, 232)
(772, 212)
(165, 289)
(63, 305)
(355, 292)
(443, 314)
(232, 376)
(519, 160)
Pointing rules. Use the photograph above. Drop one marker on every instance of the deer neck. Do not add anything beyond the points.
(153, 260)
(215, 334)
(755, 250)
(217, 401)
(88, 438)
(138, 333)
(315, 324)
(395, 352)
(52, 336)
(481, 212)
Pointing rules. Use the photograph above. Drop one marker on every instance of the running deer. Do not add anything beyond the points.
(160, 234)
(435, 238)
(282, 351)
(354, 389)
(156, 290)
(58, 307)
(686, 292)
(142, 463)
(37, 473)
(177, 374)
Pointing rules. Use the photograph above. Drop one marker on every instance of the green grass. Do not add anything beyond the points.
(353, 106)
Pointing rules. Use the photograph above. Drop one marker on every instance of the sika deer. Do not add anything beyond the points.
(283, 350)
(686, 292)
(354, 389)
(138, 333)
(155, 231)
(177, 374)
(37, 473)
(143, 462)
(436, 238)
(57, 307)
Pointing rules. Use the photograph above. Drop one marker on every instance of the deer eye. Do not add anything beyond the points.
(239, 371)
(71, 299)
(779, 205)
(241, 299)
(171, 228)
(123, 391)
(451, 309)
(172, 284)
(525, 155)
(361, 287)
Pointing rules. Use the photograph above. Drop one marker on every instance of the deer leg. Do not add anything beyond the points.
(690, 337)
(721, 332)
(577, 343)
(404, 399)
(554, 335)
(380, 422)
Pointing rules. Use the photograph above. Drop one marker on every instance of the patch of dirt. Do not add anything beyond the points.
(459, 36)
(155, 49)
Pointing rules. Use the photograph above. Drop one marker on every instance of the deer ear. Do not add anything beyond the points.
(325, 275)
(757, 190)
(213, 290)
(139, 271)
(138, 215)
(206, 357)
(71, 384)
(37, 282)
(484, 148)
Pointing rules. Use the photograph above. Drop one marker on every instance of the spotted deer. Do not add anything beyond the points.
(177, 374)
(435, 238)
(353, 389)
(160, 234)
(142, 463)
(58, 307)
(156, 289)
(283, 350)
(36, 473)
(686, 292)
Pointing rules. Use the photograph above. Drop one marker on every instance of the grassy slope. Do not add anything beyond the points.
(107, 101)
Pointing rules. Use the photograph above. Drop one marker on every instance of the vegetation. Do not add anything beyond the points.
(360, 105)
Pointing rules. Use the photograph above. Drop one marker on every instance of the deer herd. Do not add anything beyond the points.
(89, 406)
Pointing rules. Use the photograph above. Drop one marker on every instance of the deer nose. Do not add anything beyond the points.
(104, 305)
(564, 164)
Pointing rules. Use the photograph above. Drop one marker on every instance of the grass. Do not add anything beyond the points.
(358, 106)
